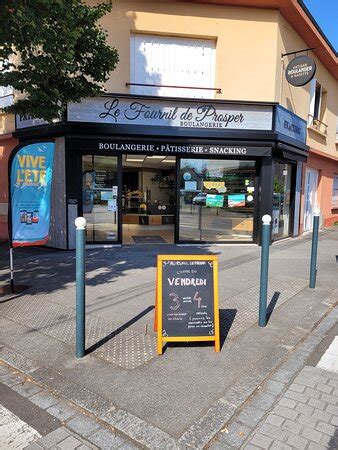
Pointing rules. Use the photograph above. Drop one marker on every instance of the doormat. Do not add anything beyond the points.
(149, 240)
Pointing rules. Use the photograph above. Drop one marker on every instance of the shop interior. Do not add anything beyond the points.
(148, 199)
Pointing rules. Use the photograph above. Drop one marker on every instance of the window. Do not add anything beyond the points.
(172, 61)
(216, 200)
(318, 105)
(335, 191)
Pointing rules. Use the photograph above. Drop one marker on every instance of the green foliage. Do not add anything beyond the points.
(53, 52)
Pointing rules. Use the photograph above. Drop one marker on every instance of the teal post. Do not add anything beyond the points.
(314, 247)
(80, 224)
(263, 291)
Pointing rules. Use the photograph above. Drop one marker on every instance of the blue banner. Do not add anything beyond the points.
(31, 182)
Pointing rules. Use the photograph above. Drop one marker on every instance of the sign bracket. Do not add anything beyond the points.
(297, 51)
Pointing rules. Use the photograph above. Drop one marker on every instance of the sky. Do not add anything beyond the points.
(325, 12)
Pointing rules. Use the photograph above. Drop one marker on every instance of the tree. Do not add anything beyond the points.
(53, 52)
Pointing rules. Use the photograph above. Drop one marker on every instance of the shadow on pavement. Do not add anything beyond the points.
(119, 330)
(271, 305)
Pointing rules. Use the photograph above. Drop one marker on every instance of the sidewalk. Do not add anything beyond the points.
(185, 397)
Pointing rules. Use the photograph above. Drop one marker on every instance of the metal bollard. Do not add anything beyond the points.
(263, 290)
(314, 247)
(80, 223)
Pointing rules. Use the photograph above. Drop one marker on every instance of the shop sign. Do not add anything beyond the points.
(291, 125)
(201, 149)
(26, 122)
(31, 181)
(187, 299)
(300, 70)
(170, 113)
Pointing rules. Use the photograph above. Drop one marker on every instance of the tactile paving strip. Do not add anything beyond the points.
(133, 346)
(241, 311)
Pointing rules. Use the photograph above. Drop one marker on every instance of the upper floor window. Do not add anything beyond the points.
(318, 105)
(172, 66)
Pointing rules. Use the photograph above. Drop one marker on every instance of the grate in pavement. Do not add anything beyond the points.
(132, 346)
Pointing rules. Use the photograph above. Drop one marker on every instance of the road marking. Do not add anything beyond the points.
(14, 432)
(329, 361)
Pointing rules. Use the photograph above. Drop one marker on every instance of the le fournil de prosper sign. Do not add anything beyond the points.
(171, 113)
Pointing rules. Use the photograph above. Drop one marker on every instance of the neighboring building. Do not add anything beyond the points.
(191, 146)
(7, 144)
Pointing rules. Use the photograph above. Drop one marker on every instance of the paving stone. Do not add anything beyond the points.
(248, 447)
(274, 387)
(82, 425)
(33, 446)
(333, 383)
(324, 388)
(274, 419)
(285, 412)
(250, 416)
(311, 434)
(292, 426)
(287, 402)
(54, 437)
(317, 403)
(84, 447)
(306, 420)
(237, 434)
(334, 421)
(329, 442)
(263, 401)
(322, 415)
(276, 445)
(326, 428)
(273, 431)
(329, 399)
(306, 381)
(43, 399)
(11, 379)
(26, 389)
(297, 441)
(70, 443)
(297, 387)
(315, 446)
(62, 411)
(297, 396)
(261, 440)
(332, 409)
(335, 393)
(312, 393)
(305, 409)
(106, 439)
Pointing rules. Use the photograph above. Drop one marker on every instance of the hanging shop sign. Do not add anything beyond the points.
(300, 70)
(187, 299)
(31, 181)
(171, 113)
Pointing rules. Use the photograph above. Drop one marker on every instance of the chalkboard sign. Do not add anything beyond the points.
(187, 299)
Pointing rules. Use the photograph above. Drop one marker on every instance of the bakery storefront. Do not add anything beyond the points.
(163, 170)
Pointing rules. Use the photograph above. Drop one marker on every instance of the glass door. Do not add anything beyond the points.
(311, 184)
(100, 197)
(282, 196)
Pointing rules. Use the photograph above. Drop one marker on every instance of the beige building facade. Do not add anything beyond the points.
(231, 52)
